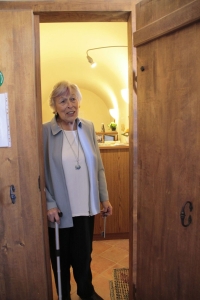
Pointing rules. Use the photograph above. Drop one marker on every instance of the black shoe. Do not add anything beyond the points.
(95, 296)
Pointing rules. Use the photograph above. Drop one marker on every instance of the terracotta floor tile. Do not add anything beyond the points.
(123, 244)
(94, 274)
(73, 284)
(124, 262)
(100, 264)
(115, 254)
(74, 296)
(107, 255)
(109, 272)
(99, 247)
(112, 242)
(101, 286)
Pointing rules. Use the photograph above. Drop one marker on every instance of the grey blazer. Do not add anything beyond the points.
(56, 189)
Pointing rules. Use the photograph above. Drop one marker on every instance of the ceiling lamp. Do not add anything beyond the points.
(89, 58)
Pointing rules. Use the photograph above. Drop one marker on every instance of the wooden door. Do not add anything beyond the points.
(24, 260)
(168, 149)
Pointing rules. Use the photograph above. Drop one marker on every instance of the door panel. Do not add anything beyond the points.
(169, 166)
(22, 253)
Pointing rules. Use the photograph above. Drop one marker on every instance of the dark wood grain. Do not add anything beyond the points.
(168, 23)
(149, 11)
(79, 16)
(168, 165)
(41, 178)
(22, 250)
(116, 6)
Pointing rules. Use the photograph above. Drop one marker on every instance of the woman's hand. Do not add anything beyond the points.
(53, 216)
(107, 209)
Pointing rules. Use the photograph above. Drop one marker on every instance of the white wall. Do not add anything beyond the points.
(94, 109)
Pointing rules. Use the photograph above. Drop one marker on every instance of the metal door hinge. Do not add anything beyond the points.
(39, 183)
(12, 194)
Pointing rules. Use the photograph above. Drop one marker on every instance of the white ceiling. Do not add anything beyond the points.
(63, 57)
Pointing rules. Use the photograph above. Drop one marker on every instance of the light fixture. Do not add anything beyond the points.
(89, 58)
(113, 113)
(124, 93)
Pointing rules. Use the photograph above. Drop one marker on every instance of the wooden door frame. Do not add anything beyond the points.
(41, 180)
(109, 16)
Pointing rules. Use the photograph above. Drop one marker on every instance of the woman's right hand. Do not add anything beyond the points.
(53, 216)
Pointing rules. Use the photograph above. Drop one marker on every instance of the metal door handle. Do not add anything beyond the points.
(182, 214)
(12, 195)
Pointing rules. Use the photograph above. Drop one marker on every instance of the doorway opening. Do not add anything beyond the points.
(88, 88)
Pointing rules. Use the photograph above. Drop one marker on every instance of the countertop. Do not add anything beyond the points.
(113, 146)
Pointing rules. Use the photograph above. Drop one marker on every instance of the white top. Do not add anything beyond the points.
(77, 180)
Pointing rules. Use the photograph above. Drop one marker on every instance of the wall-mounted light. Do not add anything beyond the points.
(89, 58)
(124, 93)
(113, 113)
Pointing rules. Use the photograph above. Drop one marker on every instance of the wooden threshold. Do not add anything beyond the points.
(112, 236)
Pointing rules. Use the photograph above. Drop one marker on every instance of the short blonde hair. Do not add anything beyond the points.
(61, 88)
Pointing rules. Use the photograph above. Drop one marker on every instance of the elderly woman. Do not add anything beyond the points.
(75, 185)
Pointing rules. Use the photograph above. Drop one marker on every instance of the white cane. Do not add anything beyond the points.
(58, 258)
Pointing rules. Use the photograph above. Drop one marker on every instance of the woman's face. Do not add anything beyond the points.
(67, 107)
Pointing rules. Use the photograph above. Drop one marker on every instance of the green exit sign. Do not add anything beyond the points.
(1, 78)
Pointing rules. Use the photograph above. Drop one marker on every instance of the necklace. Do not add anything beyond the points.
(77, 167)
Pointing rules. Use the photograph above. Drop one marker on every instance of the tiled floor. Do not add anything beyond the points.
(107, 255)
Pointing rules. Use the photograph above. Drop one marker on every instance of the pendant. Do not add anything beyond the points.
(77, 167)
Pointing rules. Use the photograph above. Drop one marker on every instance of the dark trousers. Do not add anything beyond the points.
(75, 251)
